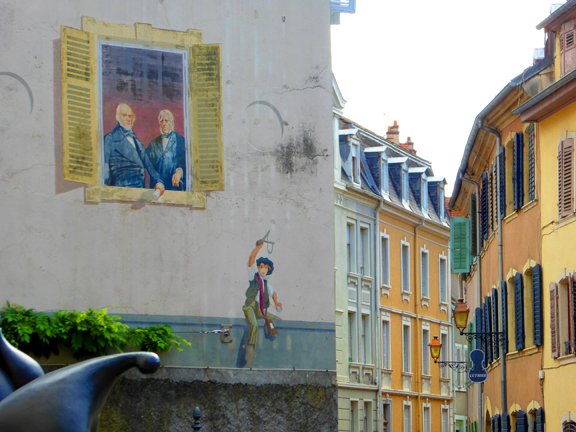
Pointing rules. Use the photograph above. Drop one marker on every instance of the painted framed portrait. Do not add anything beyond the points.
(141, 113)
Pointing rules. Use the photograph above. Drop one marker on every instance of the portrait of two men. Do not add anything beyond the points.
(144, 118)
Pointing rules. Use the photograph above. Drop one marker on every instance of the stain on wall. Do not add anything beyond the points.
(300, 153)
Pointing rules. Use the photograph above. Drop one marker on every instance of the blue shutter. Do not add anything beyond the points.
(504, 309)
(488, 328)
(497, 424)
(518, 177)
(491, 196)
(519, 311)
(484, 205)
(531, 162)
(478, 325)
(502, 181)
(473, 225)
(539, 423)
(506, 423)
(495, 321)
(521, 422)
(537, 303)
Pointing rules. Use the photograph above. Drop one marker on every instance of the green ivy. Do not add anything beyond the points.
(91, 333)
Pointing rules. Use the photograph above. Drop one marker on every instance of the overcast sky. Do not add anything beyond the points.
(432, 66)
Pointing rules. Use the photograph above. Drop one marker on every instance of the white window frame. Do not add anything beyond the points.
(406, 406)
(355, 162)
(364, 246)
(351, 245)
(406, 347)
(405, 266)
(426, 427)
(445, 410)
(389, 402)
(445, 352)
(385, 263)
(384, 177)
(366, 341)
(353, 336)
(424, 195)
(426, 350)
(443, 263)
(459, 358)
(424, 275)
(368, 419)
(405, 185)
(386, 344)
(354, 415)
(441, 203)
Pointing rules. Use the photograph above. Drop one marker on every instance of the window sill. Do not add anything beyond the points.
(444, 307)
(567, 359)
(444, 379)
(529, 205)
(385, 290)
(407, 374)
(97, 194)
(511, 217)
(426, 302)
(406, 296)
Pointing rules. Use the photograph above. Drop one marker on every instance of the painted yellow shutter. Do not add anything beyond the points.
(207, 118)
(79, 106)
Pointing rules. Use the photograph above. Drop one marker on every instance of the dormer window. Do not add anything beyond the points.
(356, 163)
(436, 186)
(424, 195)
(384, 176)
(405, 185)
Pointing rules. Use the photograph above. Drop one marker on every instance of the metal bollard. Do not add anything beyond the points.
(196, 425)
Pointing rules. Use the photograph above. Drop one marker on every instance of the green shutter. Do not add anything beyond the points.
(460, 244)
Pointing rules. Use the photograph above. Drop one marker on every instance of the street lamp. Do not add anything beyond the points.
(436, 348)
(461, 313)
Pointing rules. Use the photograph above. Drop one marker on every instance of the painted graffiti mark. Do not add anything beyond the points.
(278, 116)
(24, 83)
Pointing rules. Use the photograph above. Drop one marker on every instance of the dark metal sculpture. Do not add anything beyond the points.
(67, 400)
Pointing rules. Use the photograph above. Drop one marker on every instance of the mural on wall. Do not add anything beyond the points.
(141, 113)
(147, 84)
(258, 302)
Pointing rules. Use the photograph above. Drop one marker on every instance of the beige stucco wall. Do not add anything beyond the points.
(61, 252)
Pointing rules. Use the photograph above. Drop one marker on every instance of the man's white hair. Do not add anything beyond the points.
(170, 118)
(123, 105)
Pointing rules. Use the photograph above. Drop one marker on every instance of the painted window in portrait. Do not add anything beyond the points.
(141, 113)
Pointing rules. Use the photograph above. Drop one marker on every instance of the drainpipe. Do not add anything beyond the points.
(418, 327)
(503, 382)
(377, 314)
(478, 288)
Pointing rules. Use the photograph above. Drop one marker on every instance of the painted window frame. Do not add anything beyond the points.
(426, 364)
(387, 402)
(443, 287)
(366, 338)
(405, 266)
(351, 243)
(445, 353)
(384, 176)
(386, 361)
(200, 151)
(385, 262)
(426, 408)
(353, 346)
(406, 421)
(405, 185)
(406, 347)
(424, 275)
(365, 250)
(354, 415)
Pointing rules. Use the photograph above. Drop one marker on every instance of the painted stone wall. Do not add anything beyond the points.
(171, 263)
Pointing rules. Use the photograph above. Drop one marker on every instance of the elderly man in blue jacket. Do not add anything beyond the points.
(167, 152)
(125, 158)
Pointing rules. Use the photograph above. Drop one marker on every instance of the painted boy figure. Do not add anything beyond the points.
(258, 300)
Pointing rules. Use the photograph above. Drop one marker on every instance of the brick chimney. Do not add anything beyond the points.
(393, 133)
(408, 145)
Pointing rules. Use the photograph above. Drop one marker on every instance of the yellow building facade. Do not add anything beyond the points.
(554, 109)
(392, 284)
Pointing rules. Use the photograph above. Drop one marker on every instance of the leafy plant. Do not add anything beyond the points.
(90, 333)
